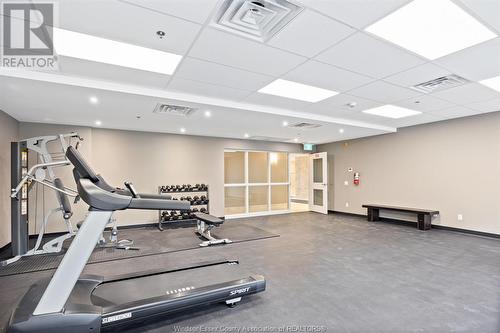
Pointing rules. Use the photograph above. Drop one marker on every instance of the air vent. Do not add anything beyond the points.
(304, 125)
(269, 138)
(440, 83)
(175, 110)
(258, 20)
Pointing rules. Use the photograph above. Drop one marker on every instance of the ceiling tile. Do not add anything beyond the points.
(204, 89)
(358, 13)
(475, 63)
(326, 76)
(416, 75)
(127, 24)
(100, 71)
(454, 112)
(276, 101)
(193, 10)
(487, 10)
(224, 48)
(424, 103)
(209, 72)
(369, 56)
(492, 105)
(384, 92)
(336, 106)
(468, 93)
(306, 35)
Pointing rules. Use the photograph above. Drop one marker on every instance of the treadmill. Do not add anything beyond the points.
(69, 302)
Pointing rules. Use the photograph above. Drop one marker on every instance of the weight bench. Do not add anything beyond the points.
(204, 224)
(424, 216)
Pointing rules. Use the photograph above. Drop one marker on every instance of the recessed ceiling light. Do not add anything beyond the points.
(98, 123)
(207, 114)
(83, 46)
(285, 123)
(246, 135)
(182, 130)
(341, 130)
(392, 111)
(296, 140)
(431, 28)
(493, 83)
(302, 92)
(93, 100)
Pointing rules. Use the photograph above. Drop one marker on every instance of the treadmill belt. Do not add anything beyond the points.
(149, 240)
(117, 293)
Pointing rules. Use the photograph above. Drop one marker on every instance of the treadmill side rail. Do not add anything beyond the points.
(127, 313)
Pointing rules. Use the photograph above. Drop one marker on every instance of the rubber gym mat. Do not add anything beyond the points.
(149, 240)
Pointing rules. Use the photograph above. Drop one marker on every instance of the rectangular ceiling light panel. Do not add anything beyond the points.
(83, 46)
(295, 90)
(431, 28)
(493, 83)
(392, 111)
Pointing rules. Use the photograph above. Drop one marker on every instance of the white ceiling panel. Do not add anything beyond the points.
(223, 48)
(383, 92)
(424, 103)
(193, 10)
(326, 76)
(310, 33)
(492, 105)
(467, 94)
(277, 101)
(97, 70)
(455, 112)
(358, 13)
(367, 55)
(475, 63)
(487, 10)
(126, 23)
(118, 110)
(209, 72)
(336, 106)
(205, 89)
(416, 75)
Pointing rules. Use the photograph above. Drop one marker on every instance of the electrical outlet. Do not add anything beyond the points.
(347, 204)
(460, 217)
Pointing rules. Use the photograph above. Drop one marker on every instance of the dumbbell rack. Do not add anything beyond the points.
(182, 222)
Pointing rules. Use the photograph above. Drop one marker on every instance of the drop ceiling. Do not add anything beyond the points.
(325, 46)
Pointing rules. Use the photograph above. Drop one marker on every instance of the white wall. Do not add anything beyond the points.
(452, 166)
(8, 133)
(150, 160)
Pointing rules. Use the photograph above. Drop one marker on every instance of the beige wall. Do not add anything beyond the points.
(8, 132)
(452, 166)
(152, 159)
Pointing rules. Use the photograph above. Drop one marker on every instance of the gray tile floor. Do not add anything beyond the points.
(338, 274)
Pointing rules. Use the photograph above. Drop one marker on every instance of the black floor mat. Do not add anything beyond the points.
(150, 241)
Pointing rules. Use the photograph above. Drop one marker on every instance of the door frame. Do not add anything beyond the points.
(323, 185)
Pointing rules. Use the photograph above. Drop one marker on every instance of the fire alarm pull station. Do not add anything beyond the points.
(356, 178)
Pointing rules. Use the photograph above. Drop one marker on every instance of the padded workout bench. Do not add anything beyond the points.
(424, 216)
(204, 224)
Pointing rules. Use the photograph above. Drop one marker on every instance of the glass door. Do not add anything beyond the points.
(319, 183)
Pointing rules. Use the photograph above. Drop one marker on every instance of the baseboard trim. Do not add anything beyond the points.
(433, 226)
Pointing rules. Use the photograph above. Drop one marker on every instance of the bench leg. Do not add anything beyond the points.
(373, 214)
(424, 221)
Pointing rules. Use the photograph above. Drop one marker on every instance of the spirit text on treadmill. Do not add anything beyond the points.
(117, 317)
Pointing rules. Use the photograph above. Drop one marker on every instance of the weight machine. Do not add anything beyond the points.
(42, 173)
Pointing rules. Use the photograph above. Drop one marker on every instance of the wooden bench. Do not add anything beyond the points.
(424, 216)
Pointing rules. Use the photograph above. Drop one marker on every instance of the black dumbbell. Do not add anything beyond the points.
(182, 198)
(185, 215)
(203, 210)
(194, 210)
(174, 198)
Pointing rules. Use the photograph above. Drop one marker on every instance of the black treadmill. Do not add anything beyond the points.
(69, 302)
